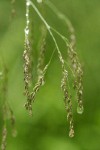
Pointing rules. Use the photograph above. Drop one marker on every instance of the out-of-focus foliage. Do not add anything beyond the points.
(47, 129)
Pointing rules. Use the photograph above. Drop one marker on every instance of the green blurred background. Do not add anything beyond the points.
(48, 128)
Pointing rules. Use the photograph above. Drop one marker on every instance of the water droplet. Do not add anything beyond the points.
(71, 133)
(28, 3)
(80, 109)
(27, 15)
(39, 1)
(26, 31)
(43, 82)
(28, 21)
(1, 73)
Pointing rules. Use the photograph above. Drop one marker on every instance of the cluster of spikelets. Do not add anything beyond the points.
(7, 113)
(41, 68)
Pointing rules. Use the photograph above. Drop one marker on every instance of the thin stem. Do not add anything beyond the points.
(60, 15)
(62, 36)
(49, 30)
(39, 14)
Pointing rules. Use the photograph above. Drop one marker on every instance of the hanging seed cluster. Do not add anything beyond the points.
(76, 66)
(67, 96)
(36, 88)
(41, 70)
(68, 102)
(27, 63)
(26, 57)
(77, 70)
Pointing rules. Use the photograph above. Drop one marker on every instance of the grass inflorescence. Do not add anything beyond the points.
(75, 65)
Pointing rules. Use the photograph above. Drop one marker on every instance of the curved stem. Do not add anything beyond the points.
(50, 32)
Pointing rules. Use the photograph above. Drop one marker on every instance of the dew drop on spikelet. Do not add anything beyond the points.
(39, 1)
(80, 110)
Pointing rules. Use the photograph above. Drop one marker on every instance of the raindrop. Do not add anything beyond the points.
(71, 133)
(28, 21)
(27, 31)
(28, 3)
(39, 1)
(80, 109)
(27, 15)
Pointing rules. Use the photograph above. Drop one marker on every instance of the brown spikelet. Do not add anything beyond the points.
(40, 71)
(26, 56)
(32, 52)
(76, 65)
(68, 103)
(27, 76)
(78, 74)
(41, 57)
(36, 88)
(32, 95)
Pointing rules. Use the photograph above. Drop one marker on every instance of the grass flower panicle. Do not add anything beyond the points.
(76, 68)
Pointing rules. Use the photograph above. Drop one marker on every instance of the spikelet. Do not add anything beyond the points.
(68, 102)
(64, 86)
(32, 52)
(27, 77)
(76, 65)
(41, 57)
(4, 138)
(78, 75)
(40, 71)
(36, 88)
(26, 55)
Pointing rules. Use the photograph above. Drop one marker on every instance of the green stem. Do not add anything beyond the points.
(49, 30)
